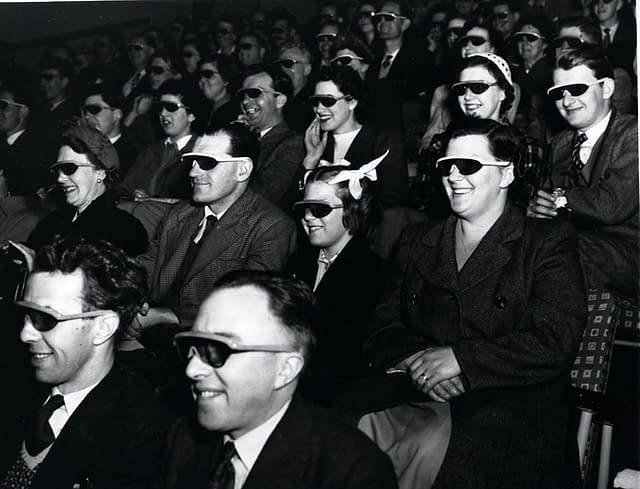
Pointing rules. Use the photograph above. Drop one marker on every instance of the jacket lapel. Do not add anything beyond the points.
(597, 163)
(493, 252)
(180, 231)
(231, 227)
(436, 261)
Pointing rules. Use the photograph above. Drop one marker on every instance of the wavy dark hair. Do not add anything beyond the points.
(349, 83)
(112, 279)
(360, 216)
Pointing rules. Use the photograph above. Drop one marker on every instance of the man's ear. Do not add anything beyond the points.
(281, 100)
(118, 114)
(289, 369)
(307, 69)
(106, 328)
(608, 88)
(64, 81)
(244, 169)
(405, 24)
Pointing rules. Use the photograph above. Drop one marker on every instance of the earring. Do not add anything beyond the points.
(99, 180)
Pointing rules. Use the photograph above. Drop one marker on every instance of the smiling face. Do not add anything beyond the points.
(247, 389)
(338, 118)
(531, 51)
(583, 111)
(364, 18)
(482, 193)
(65, 356)
(13, 118)
(326, 39)
(175, 124)
(483, 105)
(300, 70)
(81, 188)
(392, 28)
(53, 85)
(265, 111)
(328, 232)
(607, 13)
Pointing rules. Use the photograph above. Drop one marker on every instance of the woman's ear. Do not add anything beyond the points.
(508, 176)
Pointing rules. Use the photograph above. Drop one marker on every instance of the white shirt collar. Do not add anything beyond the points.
(249, 445)
(12, 139)
(594, 133)
(181, 142)
(114, 139)
(612, 30)
(53, 106)
(73, 399)
(265, 131)
(393, 54)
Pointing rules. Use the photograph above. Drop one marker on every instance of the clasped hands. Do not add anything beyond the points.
(435, 372)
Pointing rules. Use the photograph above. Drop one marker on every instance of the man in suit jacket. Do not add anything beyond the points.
(618, 33)
(281, 149)
(397, 74)
(251, 431)
(188, 255)
(87, 422)
(594, 182)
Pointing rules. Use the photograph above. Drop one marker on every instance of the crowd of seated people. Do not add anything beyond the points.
(347, 251)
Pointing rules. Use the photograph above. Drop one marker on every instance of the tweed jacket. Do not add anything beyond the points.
(281, 154)
(112, 440)
(310, 448)
(252, 234)
(513, 316)
(609, 203)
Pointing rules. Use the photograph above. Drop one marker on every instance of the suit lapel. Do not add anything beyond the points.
(597, 163)
(182, 228)
(435, 257)
(493, 252)
(227, 231)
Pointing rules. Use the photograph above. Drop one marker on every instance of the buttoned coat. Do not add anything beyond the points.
(514, 316)
(310, 448)
(112, 440)
(252, 234)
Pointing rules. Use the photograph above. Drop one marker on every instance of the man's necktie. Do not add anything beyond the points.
(41, 435)
(606, 39)
(224, 476)
(192, 252)
(575, 151)
(384, 68)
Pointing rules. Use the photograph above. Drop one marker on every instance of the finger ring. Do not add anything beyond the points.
(424, 376)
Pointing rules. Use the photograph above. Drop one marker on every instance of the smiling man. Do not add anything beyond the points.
(594, 175)
(87, 422)
(227, 227)
(244, 364)
(263, 97)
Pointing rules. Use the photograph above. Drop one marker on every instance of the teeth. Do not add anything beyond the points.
(250, 111)
(208, 394)
(39, 356)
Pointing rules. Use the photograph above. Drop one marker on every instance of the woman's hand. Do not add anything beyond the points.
(315, 144)
(542, 206)
(28, 253)
(433, 366)
(142, 104)
(445, 390)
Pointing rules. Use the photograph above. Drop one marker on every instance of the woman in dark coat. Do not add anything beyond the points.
(346, 276)
(337, 136)
(86, 169)
(485, 320)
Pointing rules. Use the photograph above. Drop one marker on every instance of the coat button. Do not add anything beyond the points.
(413, 298)
(500, 302)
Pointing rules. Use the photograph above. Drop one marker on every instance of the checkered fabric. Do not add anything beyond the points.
(628, 322)
(591, 366)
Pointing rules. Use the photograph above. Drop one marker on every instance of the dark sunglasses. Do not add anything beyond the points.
(365, 15)
(326, 100)
(287, 63)
(570, 42)
(527, 36)
(317, 208)
(44, 318)
(208, 74)
(500, 16)
(94, 109)
(386, 16)
(223, 32)
(157, 70)
(466, 166)
(476, 87)
(325, 37)
(47, 76)
(135, 47)
(215, 349)
(170, 106)
(205, 162)
(474, 40)
(278, 30)
(458, 31)
(245, 46)
(4, 103)
(254, 92)
(344, 60)
(67, 167)
(189, 54)
(575, 89)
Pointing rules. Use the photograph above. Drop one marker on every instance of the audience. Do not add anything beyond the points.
(189, 146)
